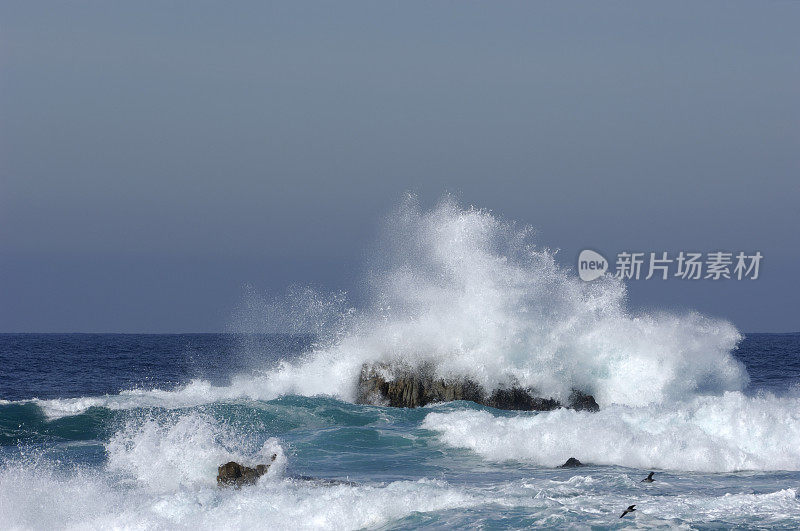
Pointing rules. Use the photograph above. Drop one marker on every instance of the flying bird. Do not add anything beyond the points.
(649, 478)
(628, 510)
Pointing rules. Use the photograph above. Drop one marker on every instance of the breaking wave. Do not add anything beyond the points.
(725, 433)
(473, 295)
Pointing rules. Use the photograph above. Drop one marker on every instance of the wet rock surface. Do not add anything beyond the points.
(582, 402)
(401, 386)
(233, 474)
(571, 463)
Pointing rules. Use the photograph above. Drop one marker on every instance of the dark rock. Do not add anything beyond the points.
(232, 474)
(582, 402)
(520, 399)
(571, 463)
(403, 386)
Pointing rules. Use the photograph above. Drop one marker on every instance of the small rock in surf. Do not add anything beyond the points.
(571, 463)
(232, 474)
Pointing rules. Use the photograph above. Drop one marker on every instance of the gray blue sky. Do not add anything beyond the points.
(155, 157)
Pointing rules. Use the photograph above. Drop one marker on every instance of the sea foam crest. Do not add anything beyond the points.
(180, 450)
(708, 433)
(472, 294)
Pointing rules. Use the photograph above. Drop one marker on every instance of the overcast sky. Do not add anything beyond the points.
(157, 156)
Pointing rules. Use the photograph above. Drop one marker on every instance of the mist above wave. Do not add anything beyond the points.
(474, 296)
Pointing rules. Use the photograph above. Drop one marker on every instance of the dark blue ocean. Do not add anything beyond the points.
(126, 431)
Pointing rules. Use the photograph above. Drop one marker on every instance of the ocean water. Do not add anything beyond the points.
(100, 431)
(127, 431)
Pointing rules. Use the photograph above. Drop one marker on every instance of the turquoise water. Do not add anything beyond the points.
(145, 456)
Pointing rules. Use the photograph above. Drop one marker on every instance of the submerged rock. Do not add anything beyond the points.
(403, 386)
(571, 463)
(232, 474)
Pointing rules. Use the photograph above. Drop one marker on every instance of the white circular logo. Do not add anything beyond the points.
(591, 265)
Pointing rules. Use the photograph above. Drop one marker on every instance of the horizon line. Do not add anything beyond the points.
(239, 333)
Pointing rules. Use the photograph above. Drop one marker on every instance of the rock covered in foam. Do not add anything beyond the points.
(580, 401)
(232, 474)
(403, 386)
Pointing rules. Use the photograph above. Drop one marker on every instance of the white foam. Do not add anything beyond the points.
(178, 451)
(160, 473)
(320, 375)
(761, 509)
(473, 295)
(195, 393)
(714, 434)
(37, 497)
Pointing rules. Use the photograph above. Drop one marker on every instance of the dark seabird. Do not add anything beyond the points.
(649, 478)
(628, 510)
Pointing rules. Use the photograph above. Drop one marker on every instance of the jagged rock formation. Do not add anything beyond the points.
(412, 388)
(520, 399)
(232, 474)
(571, 463)
(381, 384)
(582, 402)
